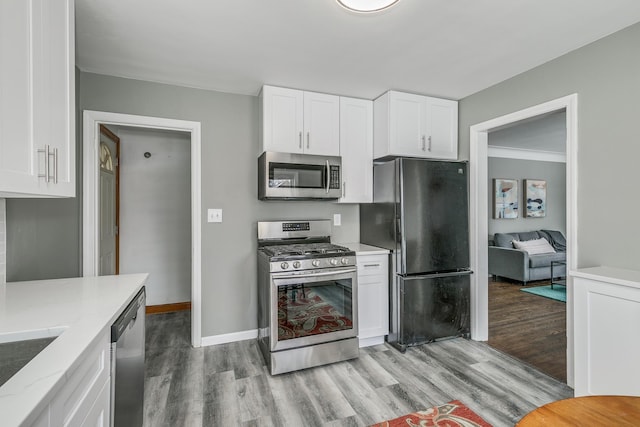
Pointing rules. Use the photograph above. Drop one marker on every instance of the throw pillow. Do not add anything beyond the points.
(535, 247)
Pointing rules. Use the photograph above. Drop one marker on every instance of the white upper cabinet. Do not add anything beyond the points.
(356, 150)
(295, 121)
(37, 98)
(414, 125)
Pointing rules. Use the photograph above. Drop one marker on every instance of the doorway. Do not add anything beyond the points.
(153, 225)
(479, 196)
(517, 153)
(91, 200)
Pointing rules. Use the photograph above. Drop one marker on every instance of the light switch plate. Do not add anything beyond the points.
(214, 215)
(337, 219)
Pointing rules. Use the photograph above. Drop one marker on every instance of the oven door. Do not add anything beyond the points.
(313, 307)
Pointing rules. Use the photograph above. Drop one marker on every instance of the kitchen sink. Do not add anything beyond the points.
(15, 354)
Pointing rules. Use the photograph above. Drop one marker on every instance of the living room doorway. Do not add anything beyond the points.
(480, 208)
(528, 157)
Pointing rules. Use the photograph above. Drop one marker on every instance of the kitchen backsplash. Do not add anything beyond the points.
(3, 241)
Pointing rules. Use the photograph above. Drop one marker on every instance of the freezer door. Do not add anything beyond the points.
(434, 216)
(430, 307)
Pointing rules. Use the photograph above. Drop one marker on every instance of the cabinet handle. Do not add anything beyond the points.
(429, 142)
(372, 265)
(424, 143)
(55, 165)
(344, 189)
(300, 139)
(45, 151)
(307, 139)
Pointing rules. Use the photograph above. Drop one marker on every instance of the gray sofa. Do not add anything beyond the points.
(516, 264)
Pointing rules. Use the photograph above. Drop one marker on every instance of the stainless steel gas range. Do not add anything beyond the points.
(307, 296)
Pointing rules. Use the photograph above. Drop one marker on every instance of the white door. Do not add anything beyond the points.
(108, 197)
(407, 124)
(321, 124)
(442, 116)
(356, 150)
(282, 112)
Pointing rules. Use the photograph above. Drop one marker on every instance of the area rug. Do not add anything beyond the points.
(300, 316)
(452, 414)
(558, 293)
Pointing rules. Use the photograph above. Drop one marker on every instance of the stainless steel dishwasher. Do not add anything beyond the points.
(127, 365)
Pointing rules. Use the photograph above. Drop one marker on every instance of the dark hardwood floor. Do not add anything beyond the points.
(528, 327)
(229, 385)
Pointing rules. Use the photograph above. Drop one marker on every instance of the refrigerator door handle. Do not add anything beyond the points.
(434, 275)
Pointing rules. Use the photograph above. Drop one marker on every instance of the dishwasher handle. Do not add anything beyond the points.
(129, 315)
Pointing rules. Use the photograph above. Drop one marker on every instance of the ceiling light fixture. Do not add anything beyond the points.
(366, 6)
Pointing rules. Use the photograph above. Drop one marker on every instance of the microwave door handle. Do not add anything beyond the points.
(328, 177)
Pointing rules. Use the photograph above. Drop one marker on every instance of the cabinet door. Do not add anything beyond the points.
(321, 124)
(17, 150)
(407, 124)
(607, 344)
(373, 296)
(442, 125)
(37, 102)
(282, 120)
(356, 150)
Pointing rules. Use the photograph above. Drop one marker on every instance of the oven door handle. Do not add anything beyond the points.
(328, 177)
(332, 272)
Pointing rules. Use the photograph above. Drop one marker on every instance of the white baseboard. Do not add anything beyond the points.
(368, 342)
(232, 337)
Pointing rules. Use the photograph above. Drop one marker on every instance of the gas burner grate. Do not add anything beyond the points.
(310, 249)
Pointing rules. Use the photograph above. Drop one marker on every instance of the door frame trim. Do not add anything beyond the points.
(90, 201)
(479, 217)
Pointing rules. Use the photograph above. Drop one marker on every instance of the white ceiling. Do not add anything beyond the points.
(444, 48)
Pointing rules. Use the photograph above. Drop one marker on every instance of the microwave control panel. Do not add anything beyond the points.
(334, 177)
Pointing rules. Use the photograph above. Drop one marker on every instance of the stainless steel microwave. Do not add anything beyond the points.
(285, 176)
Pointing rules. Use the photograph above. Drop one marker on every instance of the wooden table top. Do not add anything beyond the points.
(586, 411)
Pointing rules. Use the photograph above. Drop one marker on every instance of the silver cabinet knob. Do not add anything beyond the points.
(284, 265)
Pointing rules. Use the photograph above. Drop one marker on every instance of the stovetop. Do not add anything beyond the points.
(305, 250)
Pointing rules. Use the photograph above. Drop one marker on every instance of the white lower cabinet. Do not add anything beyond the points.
(373, 298)
(607, 343)
(84, 398)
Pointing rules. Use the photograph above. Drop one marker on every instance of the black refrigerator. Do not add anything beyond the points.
(420, 212)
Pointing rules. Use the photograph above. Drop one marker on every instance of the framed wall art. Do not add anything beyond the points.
(535, 198)
(505, 198)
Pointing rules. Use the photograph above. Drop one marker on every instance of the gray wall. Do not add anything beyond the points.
(553, 173)
(606, 77)
(229, 181)
(155, 219)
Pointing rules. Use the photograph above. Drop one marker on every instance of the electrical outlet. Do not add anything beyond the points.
(337, 219)
(214, 215)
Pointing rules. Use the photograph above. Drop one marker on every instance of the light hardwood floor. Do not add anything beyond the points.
(228, 385)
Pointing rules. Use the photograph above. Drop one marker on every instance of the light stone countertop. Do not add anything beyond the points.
(362, 249)
(618, 276)
(79, 310)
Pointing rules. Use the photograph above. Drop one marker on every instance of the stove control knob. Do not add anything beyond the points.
(296, 264)
(344, 261)
(315, 262)
(284, 265)
(333, 261)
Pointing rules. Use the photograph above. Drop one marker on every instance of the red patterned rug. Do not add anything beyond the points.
(300, 316)
(452, 414)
